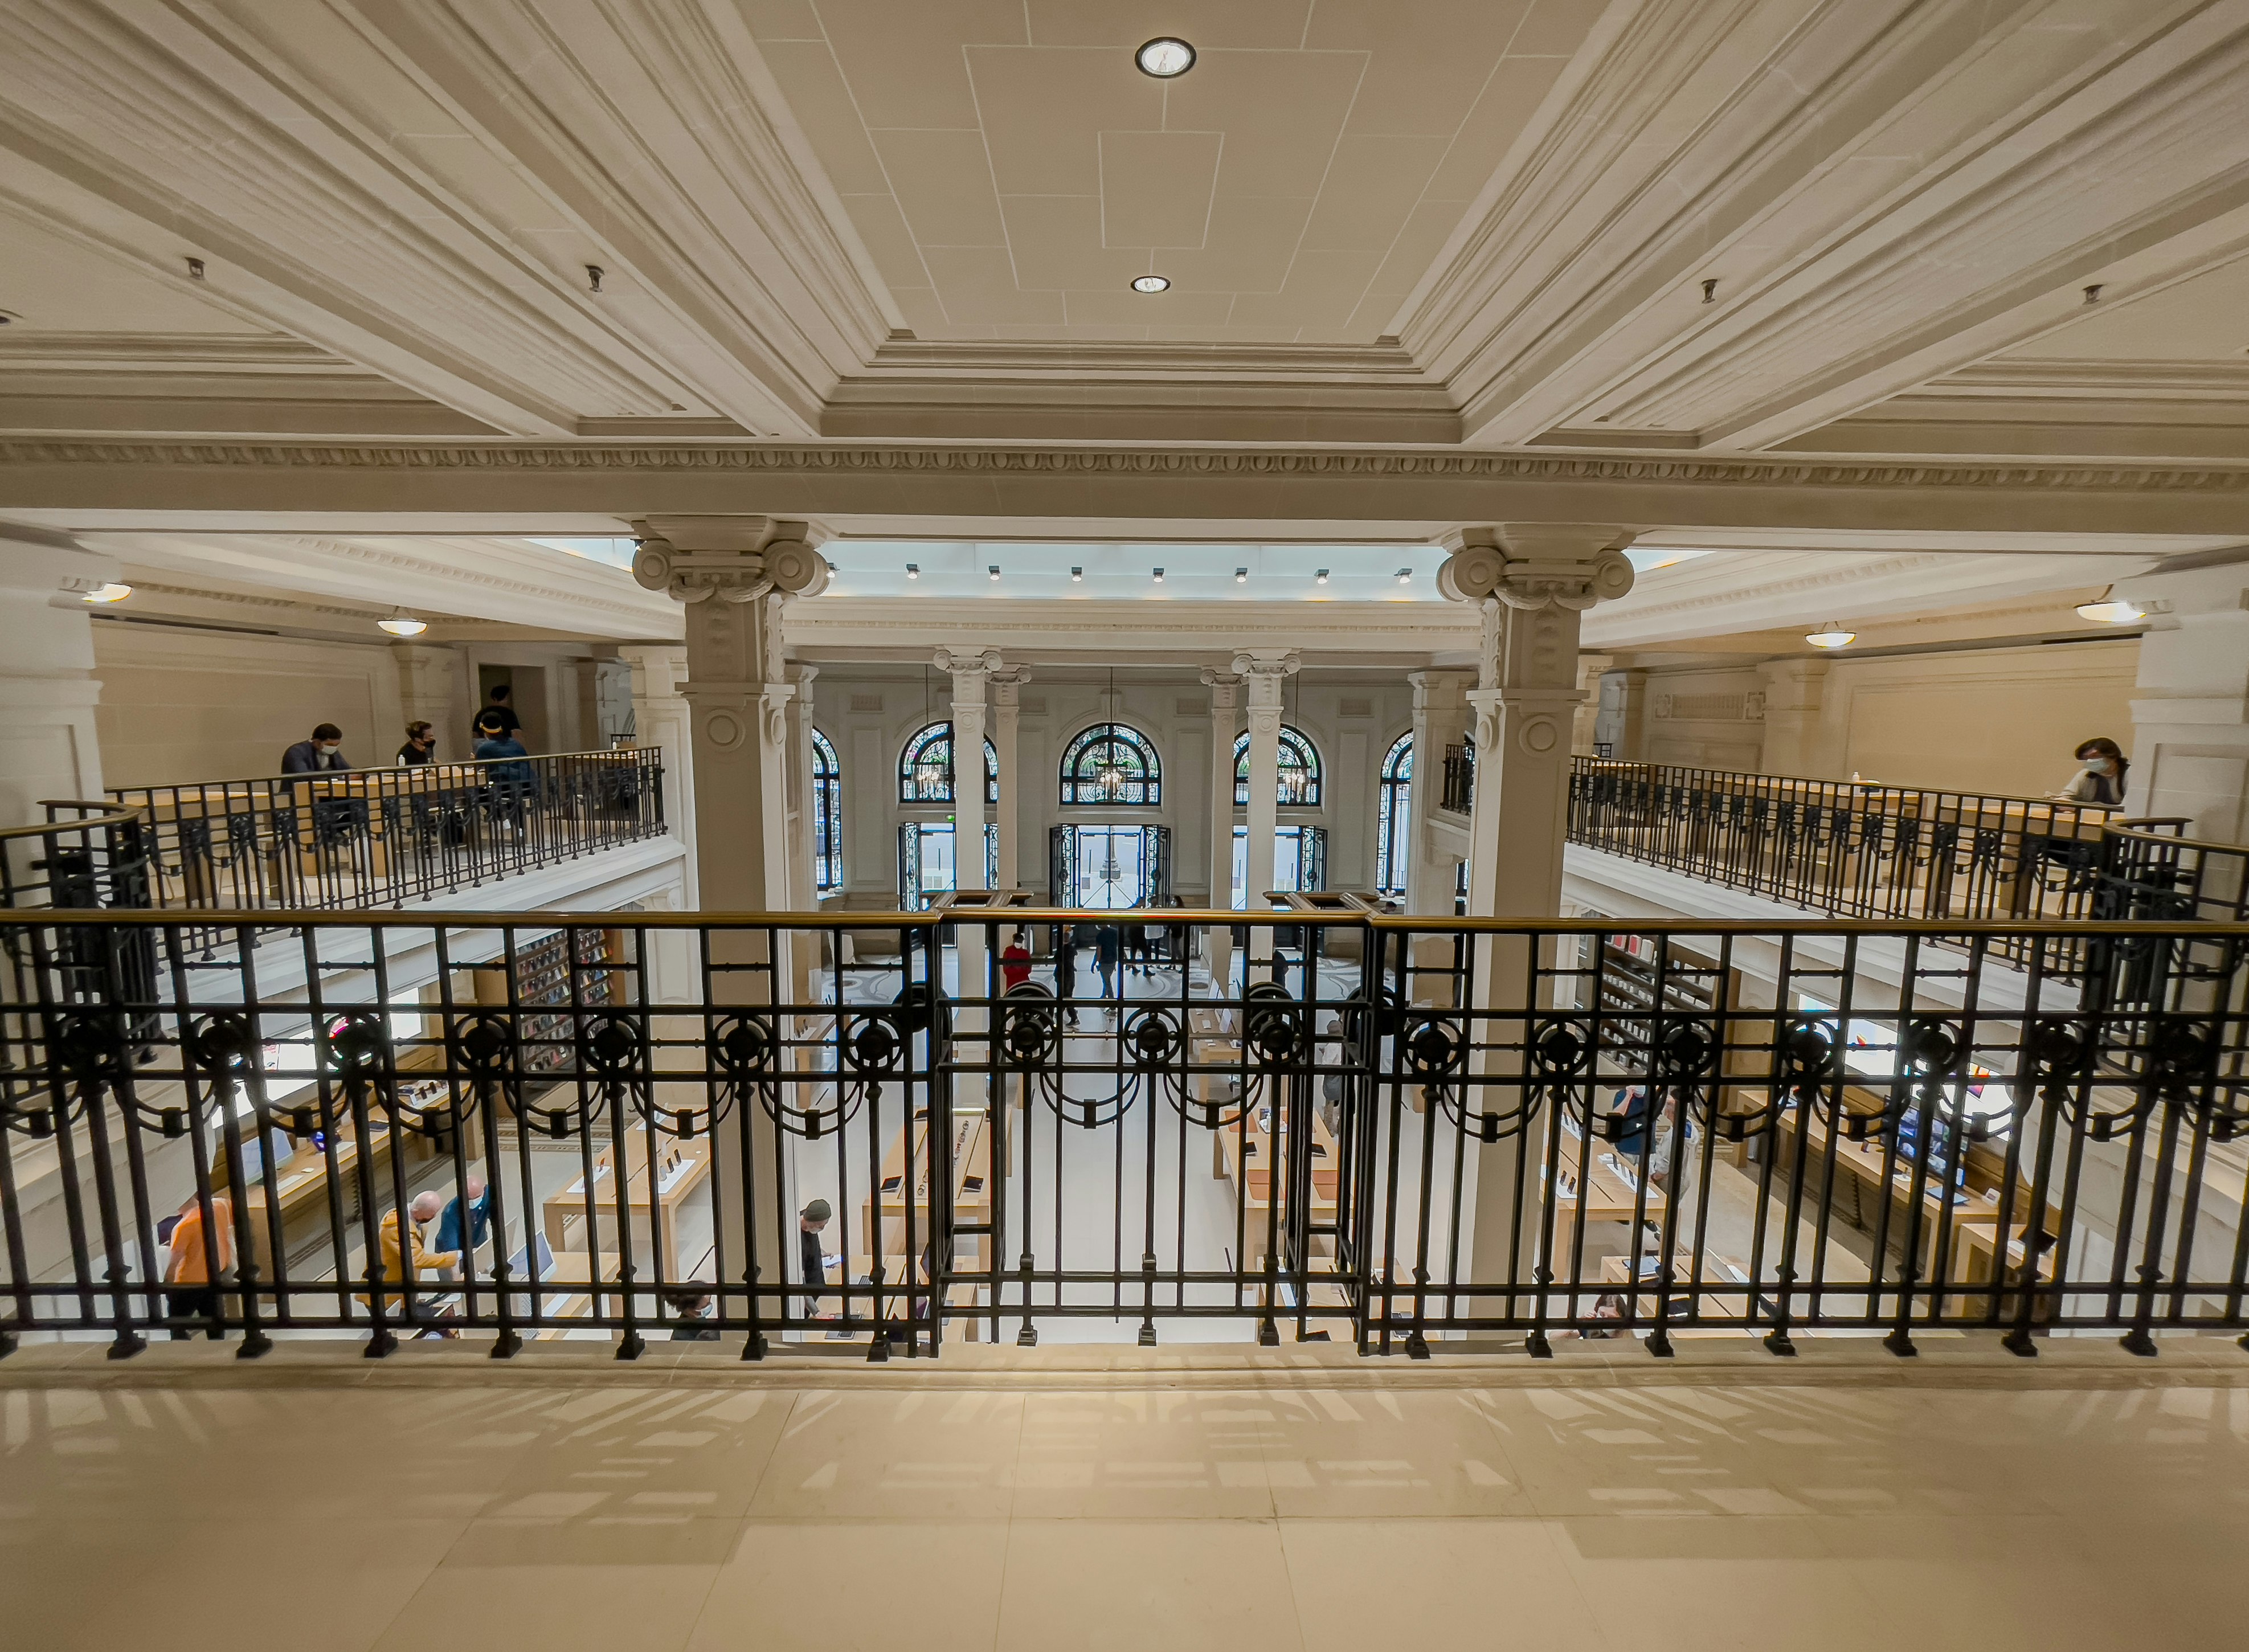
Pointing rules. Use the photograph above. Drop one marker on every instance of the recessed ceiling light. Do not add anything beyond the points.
(1241, 576)
(913, 570)
(1166, 58)
(1405, 576)
(994, 571)
(1077, 576)
(401, 623)
(1150, 283)
(1832, 635)
(111, 592)
(2109, 609)
(1320, 578)
(1159, 576)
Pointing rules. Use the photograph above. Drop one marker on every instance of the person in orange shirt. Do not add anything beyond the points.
(395, 1270)
(190, 1292)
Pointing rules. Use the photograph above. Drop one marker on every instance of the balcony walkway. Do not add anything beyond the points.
(1070, 1498)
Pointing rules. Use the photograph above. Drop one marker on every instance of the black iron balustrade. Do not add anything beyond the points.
(1458, 796)
(383, 836)
(1419, 1131)
(1862, 850)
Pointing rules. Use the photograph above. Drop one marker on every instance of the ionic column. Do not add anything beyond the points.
(1263, 672)
(47, 687)
(1225, 723)
(1531, 591)
(1531, 584)
(1441, 715)
(735, 574)
(662, 718)
(1007, 714)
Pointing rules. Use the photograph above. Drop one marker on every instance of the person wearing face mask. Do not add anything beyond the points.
(322, 753)
(2101, 778)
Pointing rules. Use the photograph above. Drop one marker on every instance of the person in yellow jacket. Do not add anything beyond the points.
(423, 1211)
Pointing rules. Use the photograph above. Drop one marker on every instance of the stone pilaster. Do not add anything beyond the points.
(1224, 724)
(1262, 672)
(47, 686)
(1590, 669)
(662, 718)
(1794, 690)
(1006, 720)
(2190, 744)
(430, 681)
(1441, 717)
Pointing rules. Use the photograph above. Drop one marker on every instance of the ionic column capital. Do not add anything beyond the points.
(736, 559)
(1263, 670)
(1007, 685)
(1537, 565)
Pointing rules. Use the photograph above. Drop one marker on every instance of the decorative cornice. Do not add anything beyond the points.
(1323, 464)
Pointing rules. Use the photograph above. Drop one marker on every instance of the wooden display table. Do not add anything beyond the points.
(1612, 1186)
(1229, 1147)
(972, 1188)
(575, 1268)
(1721, 1271)
(683, 1167)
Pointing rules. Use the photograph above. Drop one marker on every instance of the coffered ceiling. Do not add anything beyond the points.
(2013, 228)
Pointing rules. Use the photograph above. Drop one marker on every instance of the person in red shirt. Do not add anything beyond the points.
(1014, 963)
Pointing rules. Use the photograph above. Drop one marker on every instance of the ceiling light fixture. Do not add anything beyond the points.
(1241, 576)
(1832, 635)
(1405, 576)
(2111, 609)
(1150, 283)
(1166, 58)
(913, 570)
(401, 623)
(1159, 576)
(992, 571)
(111, 592)
(1077, 576)
(1320, 578)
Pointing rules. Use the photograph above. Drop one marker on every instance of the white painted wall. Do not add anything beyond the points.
(180, 705)
(2000, 720)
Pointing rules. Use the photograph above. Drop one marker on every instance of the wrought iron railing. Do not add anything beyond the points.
(1458, 795)
(1415, 1130)
(383, 837)
(1863, 851)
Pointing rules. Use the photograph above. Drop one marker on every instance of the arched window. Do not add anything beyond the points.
(1299, 774)
(1393, 832)
(1110, 763)
(925, 766)
(827, 815)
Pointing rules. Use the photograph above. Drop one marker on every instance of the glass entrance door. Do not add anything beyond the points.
(1112, 869)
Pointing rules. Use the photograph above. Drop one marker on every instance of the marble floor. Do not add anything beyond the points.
(1314, 1501)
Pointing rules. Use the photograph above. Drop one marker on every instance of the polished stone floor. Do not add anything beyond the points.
(1067, 1499)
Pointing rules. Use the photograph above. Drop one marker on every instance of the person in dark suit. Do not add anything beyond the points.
(813, 1261)
(323, 753)
(1065, 968)
(1109, 958)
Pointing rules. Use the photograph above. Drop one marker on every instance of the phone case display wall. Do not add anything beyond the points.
(550, 988)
